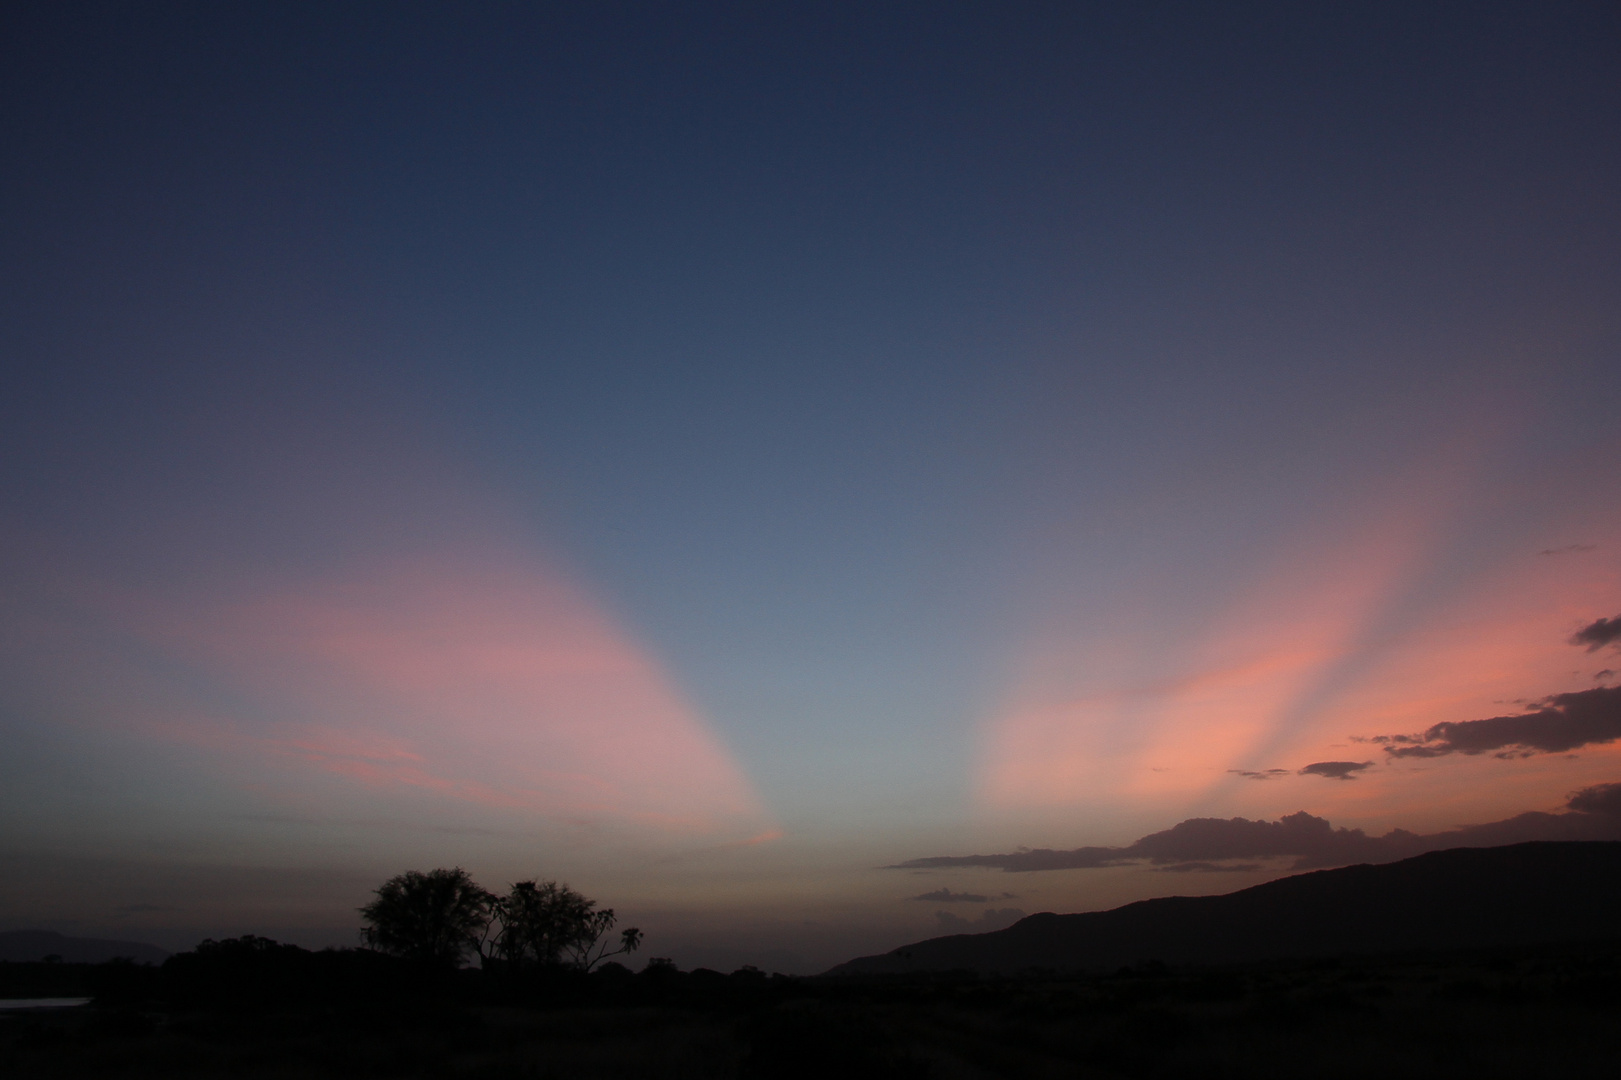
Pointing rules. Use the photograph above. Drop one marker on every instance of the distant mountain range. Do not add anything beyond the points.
(28, 945)
(1459, 898)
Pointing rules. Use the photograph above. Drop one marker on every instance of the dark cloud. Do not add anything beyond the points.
(1262, 774)
(1561, 723)
(1192, 841)
(989, 919)
(1599, 799)
(1568, 549)
(1207, 839)
(1605, 674)
(1597, 634)
(1209, 867)
(1213, 844)
(1335, 770)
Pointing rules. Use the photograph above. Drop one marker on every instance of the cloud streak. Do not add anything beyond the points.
(946, 896)
(1211, 844)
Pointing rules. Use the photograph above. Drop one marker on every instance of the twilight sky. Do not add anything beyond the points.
(710, 454)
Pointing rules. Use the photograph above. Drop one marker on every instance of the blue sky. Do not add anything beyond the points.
(707, 452)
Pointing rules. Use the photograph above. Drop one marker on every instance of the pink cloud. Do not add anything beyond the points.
(475, 679)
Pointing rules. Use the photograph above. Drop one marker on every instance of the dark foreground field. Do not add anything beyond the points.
(1552, 1011)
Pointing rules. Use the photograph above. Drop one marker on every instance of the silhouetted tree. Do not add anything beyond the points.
(548, 924)
(437, 917)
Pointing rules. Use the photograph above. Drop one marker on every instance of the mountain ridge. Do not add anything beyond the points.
(22, 946)
(1527, 893)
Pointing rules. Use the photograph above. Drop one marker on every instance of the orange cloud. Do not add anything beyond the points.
(1220, 694)
(1337, 635)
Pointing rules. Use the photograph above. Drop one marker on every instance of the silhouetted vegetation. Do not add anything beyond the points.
(252, 1007)
(442, 917)
(435, 918)
(45, 979)
(543, 1002)
(548, 925)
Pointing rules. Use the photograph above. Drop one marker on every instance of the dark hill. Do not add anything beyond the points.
(1461, 898)
(29, 945)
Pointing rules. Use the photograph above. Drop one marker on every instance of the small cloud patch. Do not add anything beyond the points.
(1597, 634)
(1261, 774)
(1335, 770)
(989, 919)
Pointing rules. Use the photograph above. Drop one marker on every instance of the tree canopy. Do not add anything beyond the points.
(443, 916)
(437, 917)
(547, 924)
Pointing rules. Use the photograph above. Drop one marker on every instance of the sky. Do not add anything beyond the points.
(750, 461)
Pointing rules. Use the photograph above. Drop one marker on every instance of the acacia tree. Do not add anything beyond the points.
(593, 946)
(546, 924)
(437, 917)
